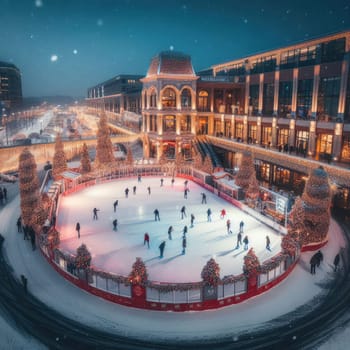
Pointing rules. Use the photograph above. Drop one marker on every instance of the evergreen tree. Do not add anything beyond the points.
(104, 147)
(85, 163)
(83, 258)
(129, 157)
(179, 160)
(211, 273)
(253, 189)
(59, 164)
(32, 211)
(138, 274)
(251, 264)
(245, 172)
(208, 165)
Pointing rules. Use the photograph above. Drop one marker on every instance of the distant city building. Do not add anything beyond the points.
(10, 86)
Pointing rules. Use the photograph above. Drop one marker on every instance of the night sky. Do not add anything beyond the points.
(64, 46)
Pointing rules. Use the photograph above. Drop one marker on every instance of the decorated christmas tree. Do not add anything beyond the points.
(104, 147)
(179, 160)
(138, 274)
(85, 163)
(253, 189)
(163, 159)
(197, 161)
(129, 157)
(32, 211)
(207, 165)
(211, 273)
(245, 172)
(291, 242)
(251, 264)
(59, 164)
(83, 258)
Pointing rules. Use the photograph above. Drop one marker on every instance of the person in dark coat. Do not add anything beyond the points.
(149, 190)
(268, 242)
(336, 262)
(204, 198)
(161, 249)
(77, 228)
(172, 181)
(126, 192)
(115, 225)
(156, 215)
(146, 239)
(4, 191)
(170, 231)
(184, 232)
(319, 257)
(241, 225)
(192, 220)
(313, 263)
(209, 214)
(161, 182)
(134, 190)
(19, 224)
(115, 204)
(139, 178)
(1, 196)
(95, 210)
(186, 192)
(32, 237)
(246, 242)
(183, 212)
(184, 244)
(239, 240)
(228, 226)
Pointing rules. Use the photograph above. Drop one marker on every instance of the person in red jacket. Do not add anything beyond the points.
(146, 239)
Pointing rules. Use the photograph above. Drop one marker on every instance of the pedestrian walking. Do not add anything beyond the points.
(170, 231)
(115, 204)
(319, 257)
(4, 191)
(183, 212)
(222, 213)
(115, 225)
(146, 239)
(241, 225)
(139, 178)
(184, 244)
(156, 215)
(32, 237)
(228, 226)
(161, 182)
(184, 231)
(246, 242)
(149, 190)
(209, 214)
(192, 220)
(268, 242)
(95, 210)
(77, 228)
(134, 190)
(336, 262)
(239, 240)
(126, 192)
(186, 183)
(172, 182)
(19, 224)
(161, 249)
(204, 198)
(313, 263)
(186, 192)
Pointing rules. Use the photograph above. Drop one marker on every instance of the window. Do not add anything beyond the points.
(153, 100)
(169, 98)
(252, 133)
(333, 50)
(169, 123)
(153, 123)
(328, 97)
(345, 153)
(254, 99)
(285, 98)
(186, 99)
(326, 141)
(203, 101)
(185, 123)
(266, 135)
(219, 101)
(239, 131)
(283, 135)
(268, 97)
(307, 56)
(304, 98)
(302, 139)
(264, 64)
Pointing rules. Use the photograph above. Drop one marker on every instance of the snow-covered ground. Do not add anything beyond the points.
(116, 251)
(299, 288)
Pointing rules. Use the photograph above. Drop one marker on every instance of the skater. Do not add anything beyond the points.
(161, 249)
(149, 190)
(115, 225)
(313, 263)
(209, 214)
(204, 198)
(336, 262)
(156, 215)
(186, 192)
(95, 217)
(161, 182)
(172, 182)
(4, 191)
(246, 242)
(183, 212)
(186, 183)
(192, 220)
(222, 213)
(184, 231)
(19, 225)
(134, 190)
(268, 243)
(24, 282)
(241, 225)
(170, 231)
(184, 243)
(126, 192)
(319, 257)
(77, 228)
(228, 225)
(239, 240)
(139, 178)
(115, 204)
(146, 239)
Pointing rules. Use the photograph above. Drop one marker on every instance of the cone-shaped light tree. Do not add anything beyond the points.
(104, 147)
(251, 264)
(129, 157)
(198, 162)
(138, 274)
(211, 273)
(85, 163)
(32, 211)
(59, 164)
(245, 172)
(83, 257)
(208, 165)
(179, 159)
(253, 189)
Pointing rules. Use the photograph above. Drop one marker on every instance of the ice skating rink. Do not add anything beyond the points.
(116, 251)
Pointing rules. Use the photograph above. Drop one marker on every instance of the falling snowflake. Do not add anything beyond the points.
(54, 58)
(288, 12)
(38, 3)
(75, 51)
(245, 20)
(99, 22)
(31, 36)
(171, 48)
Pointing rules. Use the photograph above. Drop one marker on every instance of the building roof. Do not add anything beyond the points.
(171, 62)
(7, 65)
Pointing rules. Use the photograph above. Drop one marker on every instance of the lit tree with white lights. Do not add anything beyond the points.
(208, 165)
(85, 163)
(245, 172)
(59, 164)
(104, 147)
